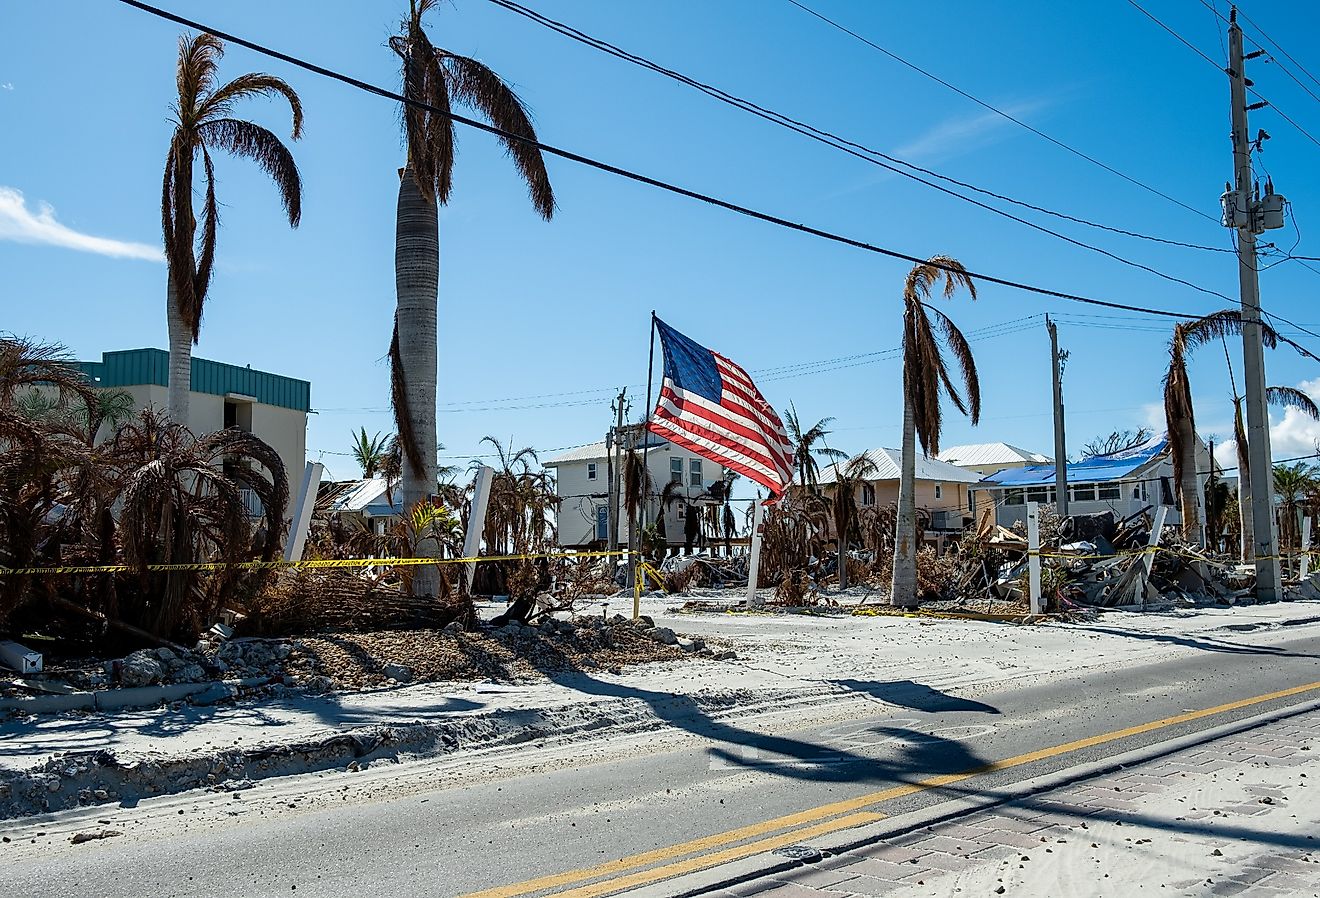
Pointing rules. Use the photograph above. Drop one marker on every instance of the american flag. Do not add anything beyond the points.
(709, 406)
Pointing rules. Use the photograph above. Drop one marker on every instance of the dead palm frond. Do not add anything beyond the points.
(925, 372)
(204, 122)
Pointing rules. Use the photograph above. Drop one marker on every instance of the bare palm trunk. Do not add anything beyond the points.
(1189, 504)
(416, 280)
(903, 588)
(180, 376)
(1245, 516)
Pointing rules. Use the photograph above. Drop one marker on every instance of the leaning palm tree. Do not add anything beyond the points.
(1291, 484)
(1279, 397)
(434, 79)
(202, 123)
(805, 450)
(925, 378)
(1178, 412)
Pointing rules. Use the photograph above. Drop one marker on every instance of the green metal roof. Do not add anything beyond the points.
(135, 367)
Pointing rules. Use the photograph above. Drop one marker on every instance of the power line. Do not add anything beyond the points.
(1010, 117)
(637, 177)
(1276, 46)
(830, 138)
(1197, 50)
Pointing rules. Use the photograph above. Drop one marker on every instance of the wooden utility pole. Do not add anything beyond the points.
(1060, 452)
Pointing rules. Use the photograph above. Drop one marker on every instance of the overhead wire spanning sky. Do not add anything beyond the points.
(562, 307)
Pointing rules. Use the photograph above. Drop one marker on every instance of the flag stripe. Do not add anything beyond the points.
(732, 416)
(680, 436)
(713, 430)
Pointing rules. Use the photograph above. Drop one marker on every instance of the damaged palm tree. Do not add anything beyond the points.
(925, 378)
(848, 478)
(805, 448)
(433, 80)
(1178, 411)
(1279, 397)
(203, 122)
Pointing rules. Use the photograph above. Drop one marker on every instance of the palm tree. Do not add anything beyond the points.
(435, 79)
(847, 478)
(1291, 484)
(202, 123)
(1178, 412)
(925, 377)
(369, 453)
(805, 449)
(1279, 397)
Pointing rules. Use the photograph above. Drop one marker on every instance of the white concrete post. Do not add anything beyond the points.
(1033, 558)
(1305, 569)
(1155, 531)
(476, 521)
(754, 562)
(302, 511)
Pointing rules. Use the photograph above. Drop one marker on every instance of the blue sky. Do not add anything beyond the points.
(529, 308)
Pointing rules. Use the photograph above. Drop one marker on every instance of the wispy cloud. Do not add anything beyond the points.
(8, 85)
(954, 136)
(1291, 434)
(23, 225)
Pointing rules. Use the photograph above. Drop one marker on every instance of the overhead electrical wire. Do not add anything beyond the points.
(1199, 52)
(1009, 116)
(1276, 46)
(827, 137)
(640, 178)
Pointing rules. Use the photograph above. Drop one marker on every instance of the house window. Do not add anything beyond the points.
(939, 491)
(694, 472)
(1013, 497)
(868, 494)
(1166, 491)
(682, 511)
(1084, 492)
(1040, 495)
(591, 470)
(1110, 491)
(971, 502)
(676, 470)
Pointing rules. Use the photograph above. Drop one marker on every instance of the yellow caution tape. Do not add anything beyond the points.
(301, 565)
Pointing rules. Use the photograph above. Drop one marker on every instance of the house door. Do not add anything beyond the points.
(603, 522)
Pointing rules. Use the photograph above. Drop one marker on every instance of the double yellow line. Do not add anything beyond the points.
(733, 845)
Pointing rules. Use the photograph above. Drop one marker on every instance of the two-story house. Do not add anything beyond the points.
(583, 487)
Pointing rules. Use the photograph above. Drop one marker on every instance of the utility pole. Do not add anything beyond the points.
(1060, 452)
(613, 440)
(1246, 215)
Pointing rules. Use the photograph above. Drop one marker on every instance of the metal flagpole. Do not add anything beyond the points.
(635, 539)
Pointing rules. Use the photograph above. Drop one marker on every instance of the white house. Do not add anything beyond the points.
(368, 501)
(582, 485)
(271, 406)
(991, 458)
(1123, 483)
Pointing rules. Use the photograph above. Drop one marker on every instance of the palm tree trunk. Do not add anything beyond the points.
(1247, 537)
(416, 282)
(903, 588)
(180, 375)
(1187, 487)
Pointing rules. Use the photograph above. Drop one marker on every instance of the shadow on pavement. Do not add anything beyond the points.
(917, 696)
(1204, 644)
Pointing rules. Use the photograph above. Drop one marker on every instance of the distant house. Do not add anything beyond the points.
(582, 485)
(271, 406)
(942, 489)
(1123, 483)
(991, 458)
(367, 502)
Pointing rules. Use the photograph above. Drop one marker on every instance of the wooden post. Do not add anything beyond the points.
(1033, 558)
(754, 562)
(476, 521)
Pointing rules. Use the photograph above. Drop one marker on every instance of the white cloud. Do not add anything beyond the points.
(959, 135)
(23, 225)
(1291, 434)
(8, 85)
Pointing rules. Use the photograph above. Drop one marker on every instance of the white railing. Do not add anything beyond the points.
(251, 502)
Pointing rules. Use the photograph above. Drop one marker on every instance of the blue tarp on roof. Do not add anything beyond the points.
(1099, 469)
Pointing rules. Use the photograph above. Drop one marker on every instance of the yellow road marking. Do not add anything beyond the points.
(849, 806)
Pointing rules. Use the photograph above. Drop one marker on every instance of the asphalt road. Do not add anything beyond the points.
(435, 829)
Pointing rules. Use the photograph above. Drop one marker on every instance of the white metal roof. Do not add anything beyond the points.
(975, 454)
(592, 452)
(888, 463)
